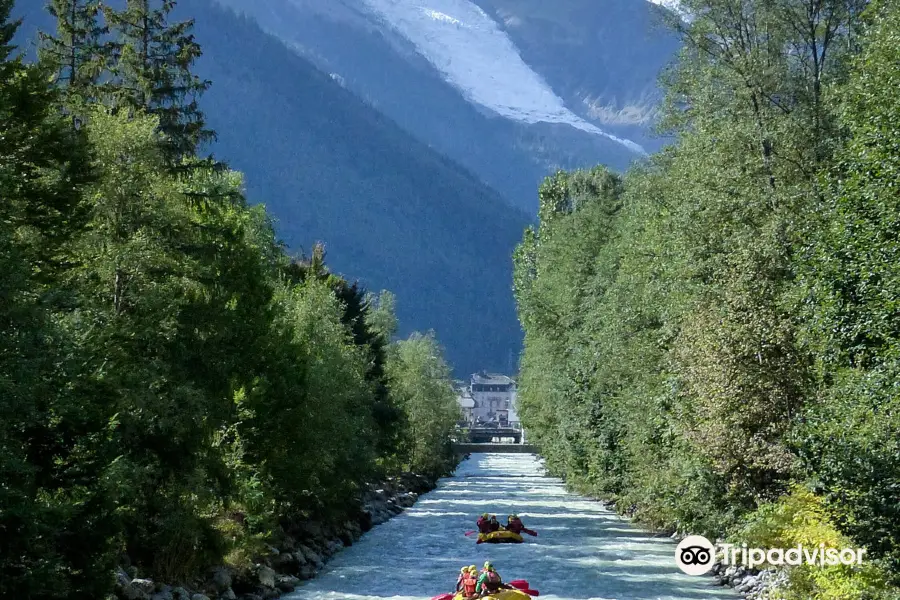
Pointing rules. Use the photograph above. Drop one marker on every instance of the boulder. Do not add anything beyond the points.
(310, 530)
(162, 595)
(228, 595)
(334, 546)
(748, 584)
(286, 562)
(221, 579)
(180, 593)
(287, 583)
(145, 585)
(138, 589)
(133, 592)
(408, 499)
(307, 572)
(346, 537)
(365, 520)
(199, 597)
(287, 544)
(266, 576)
(311, 556)
(122, 578)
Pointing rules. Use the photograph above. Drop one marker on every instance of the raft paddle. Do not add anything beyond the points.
(519, 584)
(468, 533)
(532, 592)
(443, 597)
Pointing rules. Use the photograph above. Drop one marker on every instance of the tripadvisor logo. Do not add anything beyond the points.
(695, 555)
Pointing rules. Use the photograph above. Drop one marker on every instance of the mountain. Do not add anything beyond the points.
(510, 89)
(603, 61)
(392, 212)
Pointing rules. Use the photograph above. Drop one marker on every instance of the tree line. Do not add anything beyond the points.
(712, 338)
(175, 386)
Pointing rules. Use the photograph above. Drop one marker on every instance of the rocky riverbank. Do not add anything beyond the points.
(750, 583)
(300, 555)
(753, 584)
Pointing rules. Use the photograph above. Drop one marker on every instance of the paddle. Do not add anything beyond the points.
(443, 597)
(468, 533)
(519, 584)
(532, 592)
(530, 532)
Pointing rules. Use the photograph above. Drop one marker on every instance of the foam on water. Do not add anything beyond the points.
(582, 552)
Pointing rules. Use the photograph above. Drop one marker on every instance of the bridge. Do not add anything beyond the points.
(463, 448)
(486, 435)
(493, 439)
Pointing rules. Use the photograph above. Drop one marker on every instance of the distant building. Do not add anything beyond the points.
(494, 399)
(465, 401)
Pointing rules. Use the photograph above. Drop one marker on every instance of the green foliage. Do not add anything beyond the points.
(153, 72)
(801, 518)
(78, 53)
(849, 438)
(172, 386)
(420, 382)
(719, 326)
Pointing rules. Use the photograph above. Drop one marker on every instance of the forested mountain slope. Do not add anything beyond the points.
(461, 79)
(330, 168)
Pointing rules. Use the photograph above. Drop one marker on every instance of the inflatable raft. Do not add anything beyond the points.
(500, 537)
(522, 591)
(499, 595)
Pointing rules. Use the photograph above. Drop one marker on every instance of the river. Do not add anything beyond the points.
(583, 551)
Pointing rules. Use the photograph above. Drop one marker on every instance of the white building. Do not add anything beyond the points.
(466, 405)
(494, 398)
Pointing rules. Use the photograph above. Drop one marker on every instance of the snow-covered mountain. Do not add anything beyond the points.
(510, 89)
(474, 54)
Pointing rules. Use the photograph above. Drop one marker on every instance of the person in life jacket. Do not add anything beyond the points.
(470, 582)
(483, 524)
(494, 523)
(463, 575)
(490, 581)
(514, 524)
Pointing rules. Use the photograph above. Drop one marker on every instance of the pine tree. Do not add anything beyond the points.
(77, 54)
(55, 529)
(153, 73)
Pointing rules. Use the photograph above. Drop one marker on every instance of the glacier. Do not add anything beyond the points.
(476, 56)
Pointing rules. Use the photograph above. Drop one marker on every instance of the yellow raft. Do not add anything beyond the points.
(499, 595)
(500, 537)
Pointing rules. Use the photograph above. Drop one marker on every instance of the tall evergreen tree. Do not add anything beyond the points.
(153, 73)
(77, 53)
(56, 528)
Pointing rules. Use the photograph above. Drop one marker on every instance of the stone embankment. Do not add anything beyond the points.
(301, 555)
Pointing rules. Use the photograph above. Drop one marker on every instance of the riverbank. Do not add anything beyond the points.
(752, 584)
(302, 552)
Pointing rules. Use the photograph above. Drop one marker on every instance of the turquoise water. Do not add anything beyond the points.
(583, 551)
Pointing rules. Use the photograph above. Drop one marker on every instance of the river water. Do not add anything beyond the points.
(583, 551)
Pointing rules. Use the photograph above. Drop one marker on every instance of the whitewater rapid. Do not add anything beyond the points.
(583, 551)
